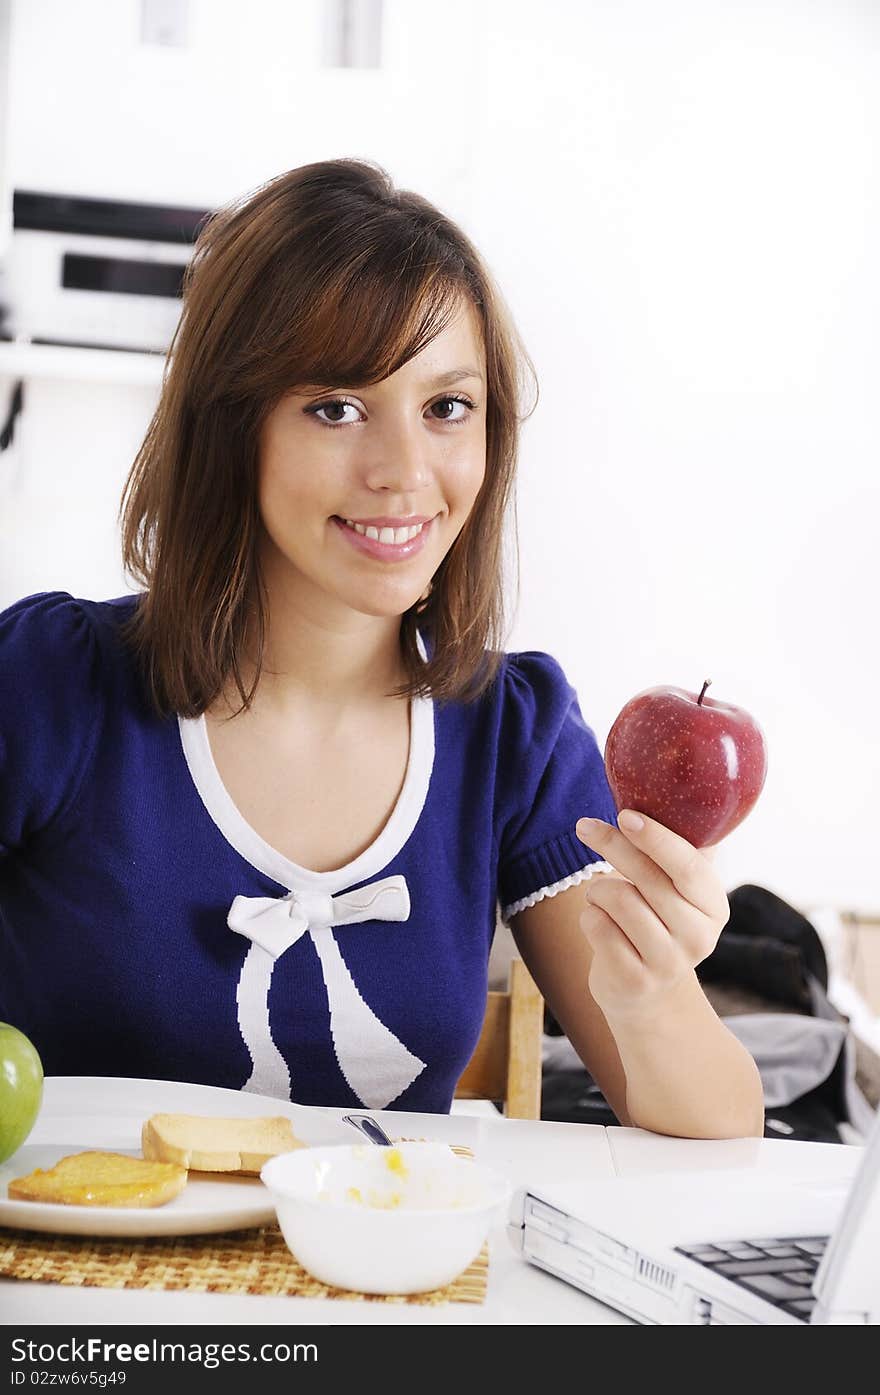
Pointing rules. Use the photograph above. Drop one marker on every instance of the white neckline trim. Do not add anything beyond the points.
(261, 855)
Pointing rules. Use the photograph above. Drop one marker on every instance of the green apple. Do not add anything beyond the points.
(21, 1088)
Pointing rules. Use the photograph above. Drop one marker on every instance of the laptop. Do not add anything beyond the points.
(714, 1247)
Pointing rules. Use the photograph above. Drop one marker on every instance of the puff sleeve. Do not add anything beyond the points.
(550, 773)
(50, 712)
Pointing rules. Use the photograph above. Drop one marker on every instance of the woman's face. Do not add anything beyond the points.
(363, 490)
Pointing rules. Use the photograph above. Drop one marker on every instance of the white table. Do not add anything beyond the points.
(518, 1293)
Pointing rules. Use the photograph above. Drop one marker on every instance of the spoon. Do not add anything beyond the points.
(368, 1126)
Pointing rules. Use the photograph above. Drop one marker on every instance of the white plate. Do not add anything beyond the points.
(84, 1112)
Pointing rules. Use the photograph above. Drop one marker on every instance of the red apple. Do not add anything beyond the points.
(695, 764)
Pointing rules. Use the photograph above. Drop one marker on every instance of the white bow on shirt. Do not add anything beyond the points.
(376, 1064)
(278, 924)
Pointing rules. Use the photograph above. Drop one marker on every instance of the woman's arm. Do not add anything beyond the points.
(615, 960)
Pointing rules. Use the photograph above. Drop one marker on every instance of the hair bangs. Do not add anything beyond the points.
(372, 323)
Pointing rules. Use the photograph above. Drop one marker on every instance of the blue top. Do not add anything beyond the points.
(147, 930)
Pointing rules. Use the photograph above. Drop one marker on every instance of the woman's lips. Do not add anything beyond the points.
(384, 551)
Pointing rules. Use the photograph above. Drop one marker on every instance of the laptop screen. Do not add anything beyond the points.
(848, 1279)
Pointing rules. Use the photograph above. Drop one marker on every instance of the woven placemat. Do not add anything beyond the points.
(252, 1261)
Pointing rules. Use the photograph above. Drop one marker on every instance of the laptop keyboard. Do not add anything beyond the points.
(781, 1271)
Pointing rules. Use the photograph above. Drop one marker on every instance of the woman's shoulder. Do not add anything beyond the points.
(54, 636)
(529, 710)
(49, 617)
(533, 670)
(61, 667)
(540, 725)
(531, 690)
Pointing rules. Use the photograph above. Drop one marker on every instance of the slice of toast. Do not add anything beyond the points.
(101, 1179)
(205, 1143)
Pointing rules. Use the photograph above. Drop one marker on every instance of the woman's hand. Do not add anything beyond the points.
(649, 926)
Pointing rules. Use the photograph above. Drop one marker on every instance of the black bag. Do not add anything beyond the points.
(769, 948)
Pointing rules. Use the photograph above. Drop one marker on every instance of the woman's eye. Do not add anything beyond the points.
(453, 402)
(335, 410)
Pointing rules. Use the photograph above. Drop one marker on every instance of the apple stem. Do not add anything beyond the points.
(703, 692)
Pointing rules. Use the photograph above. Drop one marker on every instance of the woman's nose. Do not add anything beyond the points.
(398, 461)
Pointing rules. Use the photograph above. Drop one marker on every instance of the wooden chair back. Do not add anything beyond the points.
(506, 1064)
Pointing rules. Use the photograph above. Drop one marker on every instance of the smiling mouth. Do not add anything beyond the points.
(385, 543)
(394, 536)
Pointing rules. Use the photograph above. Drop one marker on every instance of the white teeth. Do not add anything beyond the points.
(386, 535)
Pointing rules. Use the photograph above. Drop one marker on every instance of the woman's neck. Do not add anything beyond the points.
(335, 665)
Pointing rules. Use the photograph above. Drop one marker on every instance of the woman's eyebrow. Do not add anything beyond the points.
(454, 375)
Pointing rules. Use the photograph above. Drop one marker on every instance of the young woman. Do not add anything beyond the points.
(257, 820)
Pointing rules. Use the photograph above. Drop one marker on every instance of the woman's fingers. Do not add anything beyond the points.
(608, 940)
(622, 903)
(664, 866)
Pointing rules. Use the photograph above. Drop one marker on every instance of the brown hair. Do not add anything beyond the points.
(327, 273)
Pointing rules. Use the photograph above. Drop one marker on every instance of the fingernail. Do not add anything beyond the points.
(630, 822)
(584, 827)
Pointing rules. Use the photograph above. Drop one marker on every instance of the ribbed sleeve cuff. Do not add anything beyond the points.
(541, 872)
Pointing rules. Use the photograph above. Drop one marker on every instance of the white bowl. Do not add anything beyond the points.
(384, 1220)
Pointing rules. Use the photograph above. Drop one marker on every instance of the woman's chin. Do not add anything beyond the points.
(384, 610)
(386, 598)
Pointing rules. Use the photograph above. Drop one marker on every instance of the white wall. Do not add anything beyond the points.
(681, 203)
(687, 218)
(93, 107)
